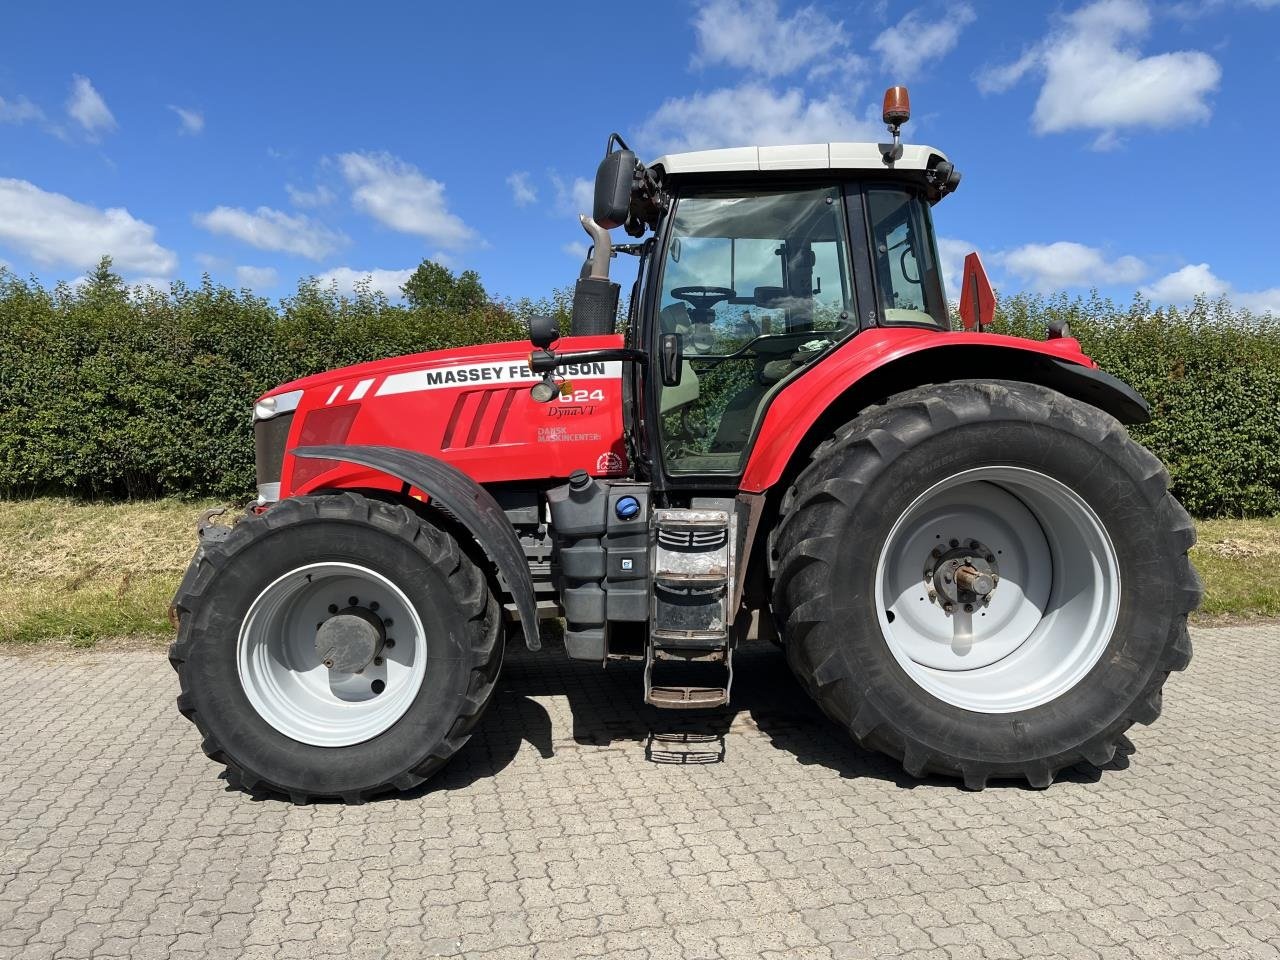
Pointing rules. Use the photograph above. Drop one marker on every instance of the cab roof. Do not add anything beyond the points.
(806, 156)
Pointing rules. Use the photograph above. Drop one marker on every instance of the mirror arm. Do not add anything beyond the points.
(544, 361)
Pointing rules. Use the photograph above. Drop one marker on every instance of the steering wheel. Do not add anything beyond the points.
(702, 299)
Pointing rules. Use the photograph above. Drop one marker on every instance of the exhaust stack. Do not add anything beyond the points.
(595, 297)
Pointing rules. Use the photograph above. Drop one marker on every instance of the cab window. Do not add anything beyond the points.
(905, 259)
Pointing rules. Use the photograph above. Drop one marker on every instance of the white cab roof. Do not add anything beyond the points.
(806, 156)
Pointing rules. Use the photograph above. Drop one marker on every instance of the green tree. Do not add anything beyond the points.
(433, 287)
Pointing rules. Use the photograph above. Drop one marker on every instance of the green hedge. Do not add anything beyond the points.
(111, 392)
(1212, 376)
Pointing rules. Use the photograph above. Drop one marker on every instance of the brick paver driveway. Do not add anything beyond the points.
(561, 832)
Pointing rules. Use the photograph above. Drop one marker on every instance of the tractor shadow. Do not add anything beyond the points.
(606, 712)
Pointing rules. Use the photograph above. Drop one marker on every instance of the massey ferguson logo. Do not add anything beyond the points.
(437, 378)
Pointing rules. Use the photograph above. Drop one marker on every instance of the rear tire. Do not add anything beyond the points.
(253, 682)
(1070, 658)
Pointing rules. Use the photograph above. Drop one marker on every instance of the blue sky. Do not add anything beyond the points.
(1120, 144)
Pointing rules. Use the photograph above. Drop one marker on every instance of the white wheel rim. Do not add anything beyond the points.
(1050, 616)
(290, 688)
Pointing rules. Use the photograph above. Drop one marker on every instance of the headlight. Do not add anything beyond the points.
(269, 407)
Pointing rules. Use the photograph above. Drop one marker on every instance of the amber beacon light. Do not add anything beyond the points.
(897, 107)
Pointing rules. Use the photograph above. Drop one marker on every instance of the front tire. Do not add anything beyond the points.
(377, 702)
(1065, 523)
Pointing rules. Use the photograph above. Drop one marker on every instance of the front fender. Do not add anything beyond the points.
(460, 499)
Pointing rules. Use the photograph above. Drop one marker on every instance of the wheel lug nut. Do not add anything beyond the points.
(937, 551)
(388, 622)
(973, 544)
(954, 544)
(353, 601)
(390, 643)
(377, 661)
(968, 608)
(991, 558)
(333, 608)
(329, 664)
(373, 605)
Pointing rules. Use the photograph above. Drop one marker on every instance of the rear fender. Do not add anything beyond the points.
(879, 363)
(460, 499)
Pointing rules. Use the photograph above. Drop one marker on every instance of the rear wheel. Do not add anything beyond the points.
(335, 646)
(985, 580)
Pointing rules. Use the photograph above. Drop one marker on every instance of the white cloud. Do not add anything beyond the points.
(1197, 279)
(51, 228)
(1056, 266)
(752, 115)
(522, 191)
(576, 250)
(257, 278)
(269, 229)
(1183, 286)
(399, 196)
(752, 35)
(86, 107)
(321, 196)
(1096, 78)
(388, 282)
(19, 110)
(146, 285)
(917, 40)
(1260, 301)
(192, 120)
(573, 198)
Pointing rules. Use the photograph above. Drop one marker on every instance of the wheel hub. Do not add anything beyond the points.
(350, 640)
(963, 576)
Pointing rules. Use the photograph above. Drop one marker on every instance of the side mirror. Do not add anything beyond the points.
(543, 331)
(614, 178)
(671, 355)
(977, 299)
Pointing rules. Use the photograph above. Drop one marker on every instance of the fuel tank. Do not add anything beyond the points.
(470, 407)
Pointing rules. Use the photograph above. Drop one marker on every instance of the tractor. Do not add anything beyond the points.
(965, 559)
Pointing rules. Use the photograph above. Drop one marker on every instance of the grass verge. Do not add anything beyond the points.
(79, 573)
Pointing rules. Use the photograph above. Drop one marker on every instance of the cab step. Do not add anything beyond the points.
(690, 622)
(688, 698)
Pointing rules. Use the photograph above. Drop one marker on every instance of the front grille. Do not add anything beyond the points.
(269, 439)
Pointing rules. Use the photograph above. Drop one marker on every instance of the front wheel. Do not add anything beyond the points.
(985, 580)
(336, 647)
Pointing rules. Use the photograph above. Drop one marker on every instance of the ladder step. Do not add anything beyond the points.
(705, 639)
(678, 579)
(687, 698)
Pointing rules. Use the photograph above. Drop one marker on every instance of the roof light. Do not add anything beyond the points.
(896, 112)
(897, 107)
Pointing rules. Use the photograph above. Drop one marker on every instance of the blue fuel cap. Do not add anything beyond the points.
(626, 507)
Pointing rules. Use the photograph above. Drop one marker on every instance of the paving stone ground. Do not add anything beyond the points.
(578, 823)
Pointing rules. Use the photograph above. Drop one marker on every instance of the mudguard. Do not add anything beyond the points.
(461, 499)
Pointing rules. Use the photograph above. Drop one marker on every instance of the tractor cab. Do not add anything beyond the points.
(759, 262)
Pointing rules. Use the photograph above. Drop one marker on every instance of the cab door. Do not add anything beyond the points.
(757, 284)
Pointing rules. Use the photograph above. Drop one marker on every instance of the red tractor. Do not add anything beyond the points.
(968, 562)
